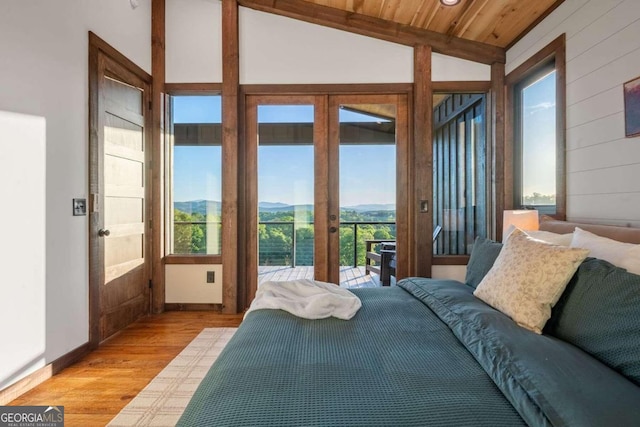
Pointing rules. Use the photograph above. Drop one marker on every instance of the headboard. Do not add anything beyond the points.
(621, 234)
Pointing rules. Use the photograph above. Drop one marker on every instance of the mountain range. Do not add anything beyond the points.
(204, 206)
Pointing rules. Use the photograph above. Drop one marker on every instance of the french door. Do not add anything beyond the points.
(324, 175)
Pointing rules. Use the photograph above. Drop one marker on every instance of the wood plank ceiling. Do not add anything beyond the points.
(495, 22)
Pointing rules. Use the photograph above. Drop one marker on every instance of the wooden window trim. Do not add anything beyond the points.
(325, 89)
(193, 259)
(556, 50)
(450, 259)
(184, 89)
(193, 88)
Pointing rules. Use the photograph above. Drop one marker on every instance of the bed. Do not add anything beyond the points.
(430, 353)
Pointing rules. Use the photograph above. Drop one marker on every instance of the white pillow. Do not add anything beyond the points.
(625, 255)
(528, 278)
(549, 237)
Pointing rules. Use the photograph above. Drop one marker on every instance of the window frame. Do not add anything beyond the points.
(551, 56)
(182, 89)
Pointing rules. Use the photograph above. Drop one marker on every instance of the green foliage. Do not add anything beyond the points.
(190, 232)
(276, 235)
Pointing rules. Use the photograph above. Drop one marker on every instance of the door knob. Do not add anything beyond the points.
(333, 229)
(333, 217)
(102, 232)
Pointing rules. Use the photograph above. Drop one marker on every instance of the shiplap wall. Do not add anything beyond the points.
(603, 52)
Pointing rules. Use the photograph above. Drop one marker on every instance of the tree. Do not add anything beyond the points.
(188, 238)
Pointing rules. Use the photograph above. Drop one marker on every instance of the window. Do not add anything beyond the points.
(536, 100)
(195, 174)
(535, 143)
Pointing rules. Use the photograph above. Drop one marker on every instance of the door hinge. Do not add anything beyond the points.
(150, 105)
(150, 284)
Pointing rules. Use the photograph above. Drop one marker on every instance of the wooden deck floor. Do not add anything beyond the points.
(350, 277)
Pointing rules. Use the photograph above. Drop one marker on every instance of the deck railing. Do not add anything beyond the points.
(290, 243)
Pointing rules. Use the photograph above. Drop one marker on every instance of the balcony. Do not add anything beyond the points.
(286, 247)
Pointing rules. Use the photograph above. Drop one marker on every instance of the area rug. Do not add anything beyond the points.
(163, 400)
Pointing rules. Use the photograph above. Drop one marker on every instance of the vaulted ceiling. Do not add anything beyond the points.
(495, 22)
(479, 30)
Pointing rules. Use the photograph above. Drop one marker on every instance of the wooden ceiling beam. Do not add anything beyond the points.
(467, 17)
(379, 28)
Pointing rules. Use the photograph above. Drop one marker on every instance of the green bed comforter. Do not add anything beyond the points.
(425, 353)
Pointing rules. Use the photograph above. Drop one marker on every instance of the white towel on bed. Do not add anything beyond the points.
(310, 299)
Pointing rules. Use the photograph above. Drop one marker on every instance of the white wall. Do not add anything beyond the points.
(22, 252)
(187, 284)
(451, 272)
(43, 72)
(193, 41)
(279, 50)
(275, 49)
(603, 52)
(449, 68)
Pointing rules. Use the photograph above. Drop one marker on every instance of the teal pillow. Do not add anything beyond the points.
(483, 255)
(599, 312)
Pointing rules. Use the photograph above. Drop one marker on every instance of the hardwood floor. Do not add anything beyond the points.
(97, 387)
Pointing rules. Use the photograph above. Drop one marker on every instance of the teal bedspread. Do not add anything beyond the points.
(425, 353)
(394, 364)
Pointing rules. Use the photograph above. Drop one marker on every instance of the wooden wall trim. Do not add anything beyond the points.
(553, 48)
(192, 307)
(379, 29)
(39, 376)
(230, 139)
(94, 158)
(422, 222)
(250, 202)
(499, 190)
(334, 89)
(192, 88)
(27, 383)
(192, 259)
(118, 57)
(561, 128)
(157, 153)
(461, 86)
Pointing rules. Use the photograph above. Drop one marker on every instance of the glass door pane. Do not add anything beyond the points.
(367, 188)
(285, 192)
(459, 172)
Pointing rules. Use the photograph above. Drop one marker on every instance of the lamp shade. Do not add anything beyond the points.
(523, 219)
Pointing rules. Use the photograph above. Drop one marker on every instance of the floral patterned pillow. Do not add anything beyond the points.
(528, 278)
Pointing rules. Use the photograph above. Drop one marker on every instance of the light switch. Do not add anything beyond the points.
(79, 207)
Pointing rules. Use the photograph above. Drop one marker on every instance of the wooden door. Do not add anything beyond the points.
(120, 272)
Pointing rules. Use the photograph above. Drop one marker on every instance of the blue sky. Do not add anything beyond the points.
(539, 151)
(285, 173)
